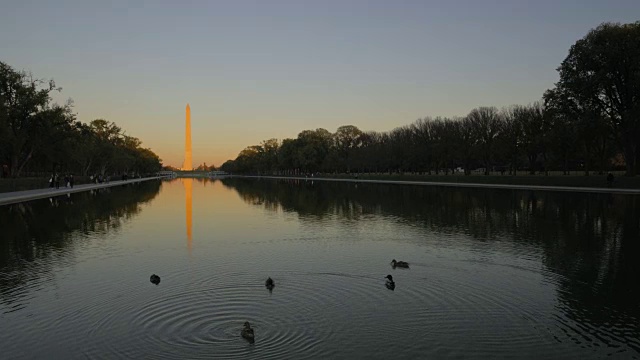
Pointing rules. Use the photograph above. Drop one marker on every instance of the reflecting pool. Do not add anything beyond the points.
(492, 273)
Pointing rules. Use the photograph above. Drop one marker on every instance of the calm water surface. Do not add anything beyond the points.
(494, 273)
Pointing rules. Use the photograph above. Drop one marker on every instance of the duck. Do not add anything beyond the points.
(247, 332)
(270, 284)
(400, 264)
(389, 283)
(155, 279)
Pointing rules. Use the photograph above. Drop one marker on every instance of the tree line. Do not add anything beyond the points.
(37, 135)
(590, 121)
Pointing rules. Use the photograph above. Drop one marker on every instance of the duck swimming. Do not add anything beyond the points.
(270, 284)
(247, 332)
(389, 283)
(155, 279)
(400, 264)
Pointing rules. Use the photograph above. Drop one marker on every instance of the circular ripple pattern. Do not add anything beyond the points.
(308, 313)
(304, 315)
(474, 287)
(434, 307)
(205, 320)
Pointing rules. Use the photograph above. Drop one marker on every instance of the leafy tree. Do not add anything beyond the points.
(346, 139)
(595, 101)
(562, 113)
(288, 155)
(27, 112)
(270, 154)
(108, 138)
(36, 134)
(602, 72)
(228, 166)
(313, 147)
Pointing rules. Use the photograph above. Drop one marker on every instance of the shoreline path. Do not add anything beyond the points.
(14, 197)
(28, 195)
(604, 190)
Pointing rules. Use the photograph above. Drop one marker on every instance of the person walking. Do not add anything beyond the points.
(57, 181)
(51, 181)
(71, 180)
(610, 179)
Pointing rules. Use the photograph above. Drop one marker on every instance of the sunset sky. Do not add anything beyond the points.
(254, 70)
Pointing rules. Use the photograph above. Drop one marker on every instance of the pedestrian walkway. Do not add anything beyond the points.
(468, 185)
(27, 195)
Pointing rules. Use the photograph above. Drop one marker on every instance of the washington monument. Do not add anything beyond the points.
(187, 144)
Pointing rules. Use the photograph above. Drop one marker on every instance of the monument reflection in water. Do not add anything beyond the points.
(188, 195)
(494, 273)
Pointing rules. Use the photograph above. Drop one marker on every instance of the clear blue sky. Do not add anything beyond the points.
(254, 70)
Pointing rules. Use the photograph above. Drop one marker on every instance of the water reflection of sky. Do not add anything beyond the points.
(499, 273)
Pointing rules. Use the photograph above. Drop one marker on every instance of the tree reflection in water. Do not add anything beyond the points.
(35, 232)
(589, 241)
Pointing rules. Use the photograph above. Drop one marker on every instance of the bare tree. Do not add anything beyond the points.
(487, 124)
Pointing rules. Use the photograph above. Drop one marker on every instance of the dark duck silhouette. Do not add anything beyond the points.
(247, 332)
(155, 279)
(389, 283)
(400, 264)
(269, 284)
